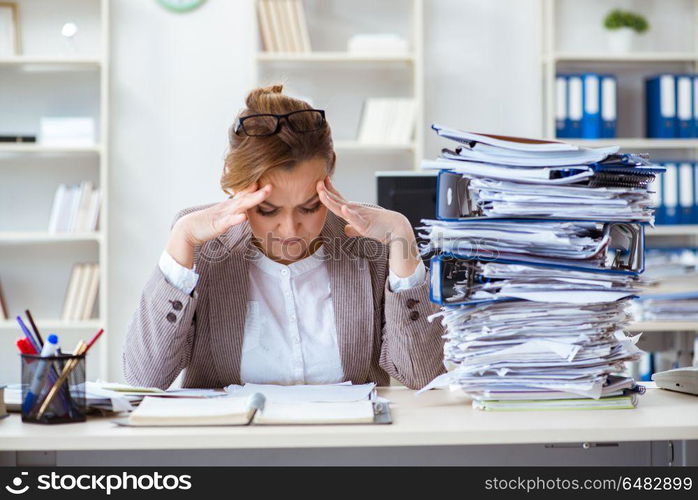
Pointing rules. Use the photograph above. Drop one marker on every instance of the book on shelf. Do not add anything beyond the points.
(82, 291)
(75, 209)
(4, 313)
(387, 120)
(283, 26)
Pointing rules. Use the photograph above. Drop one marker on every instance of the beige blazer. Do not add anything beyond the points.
(380, 333)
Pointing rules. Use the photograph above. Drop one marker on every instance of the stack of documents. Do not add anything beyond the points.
(681, 306)
(539, 247)
(510, 177)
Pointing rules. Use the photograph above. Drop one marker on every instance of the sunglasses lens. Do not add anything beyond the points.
(306, 121)
(259, 125)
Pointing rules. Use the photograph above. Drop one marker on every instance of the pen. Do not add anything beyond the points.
(28, 334)
(48, 350)
(25, 346)
(33, 325)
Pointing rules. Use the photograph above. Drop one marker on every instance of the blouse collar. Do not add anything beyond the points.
(297, 268)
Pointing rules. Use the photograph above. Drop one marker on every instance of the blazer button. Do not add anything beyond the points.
(411, 303)
(176, 305)
(414, 315)
(171, 317)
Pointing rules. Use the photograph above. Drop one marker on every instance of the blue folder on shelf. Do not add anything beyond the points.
(591, 116)
(609, 106)
(685, 123)
(660, 104)
(561, 107)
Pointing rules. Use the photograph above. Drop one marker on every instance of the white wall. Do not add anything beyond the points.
(178, 80)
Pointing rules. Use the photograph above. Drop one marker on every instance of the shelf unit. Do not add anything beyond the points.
(12, 156)
(275, 65)
(553, 57)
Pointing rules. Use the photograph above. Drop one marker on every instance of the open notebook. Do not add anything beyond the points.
(274, 408)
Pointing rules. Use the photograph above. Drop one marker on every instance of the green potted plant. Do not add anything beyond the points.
(623, 28)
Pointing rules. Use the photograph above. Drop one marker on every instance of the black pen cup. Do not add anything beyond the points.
(53, 389)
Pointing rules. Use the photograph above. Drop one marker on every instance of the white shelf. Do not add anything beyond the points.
(26, 237)
(36, 148)
(65, 63)
(637, 143)
(55, 324)
(641, 57)
(331, 57)
(663, 326)
(673, 230)
(359, 146)
(274, 65)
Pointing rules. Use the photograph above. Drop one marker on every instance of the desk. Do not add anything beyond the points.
(437, 427)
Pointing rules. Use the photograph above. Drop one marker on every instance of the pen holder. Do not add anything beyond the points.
(53, 389)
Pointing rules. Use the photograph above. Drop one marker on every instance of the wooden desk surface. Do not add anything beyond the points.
(431, 419)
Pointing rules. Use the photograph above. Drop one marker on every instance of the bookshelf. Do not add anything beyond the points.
(339, 81)
(50, 78)
(571, 45)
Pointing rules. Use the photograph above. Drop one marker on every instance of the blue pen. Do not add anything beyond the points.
(28, 334)
(53, 376)
(49, 349)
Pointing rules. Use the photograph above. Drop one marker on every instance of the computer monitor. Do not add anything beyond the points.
(410, 192)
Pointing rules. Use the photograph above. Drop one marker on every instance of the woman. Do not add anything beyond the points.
(285, 282)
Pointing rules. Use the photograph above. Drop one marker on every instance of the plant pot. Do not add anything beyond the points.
(621, 40)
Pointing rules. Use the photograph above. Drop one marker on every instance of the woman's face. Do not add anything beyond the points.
(286, 224)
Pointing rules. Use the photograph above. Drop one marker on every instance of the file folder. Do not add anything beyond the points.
(609, 106)
(591, 116)
(626, 257)
(686, 193)
(671, 194)
(561, 106)
(684, 106)
(575, 106)
(661, 106)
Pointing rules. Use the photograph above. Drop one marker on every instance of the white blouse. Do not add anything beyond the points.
(290, 335)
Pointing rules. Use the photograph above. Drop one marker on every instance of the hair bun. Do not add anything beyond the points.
(253, 98)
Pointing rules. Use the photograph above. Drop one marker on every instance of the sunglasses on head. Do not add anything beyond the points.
(264, 124)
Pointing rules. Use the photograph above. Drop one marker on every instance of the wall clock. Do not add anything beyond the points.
(181, 5)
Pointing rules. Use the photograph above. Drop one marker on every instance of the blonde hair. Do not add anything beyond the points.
(249, 158)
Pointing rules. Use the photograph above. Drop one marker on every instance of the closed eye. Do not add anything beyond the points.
(310, 210)
(267, 213)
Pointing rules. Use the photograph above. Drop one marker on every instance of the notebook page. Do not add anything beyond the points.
(354, 412)
(185, 411)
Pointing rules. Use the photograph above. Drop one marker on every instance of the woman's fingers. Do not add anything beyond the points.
(332, 189)
(249, 199)
(330, 203)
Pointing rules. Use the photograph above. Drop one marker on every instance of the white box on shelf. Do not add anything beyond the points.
(385, 43)
(67, 131)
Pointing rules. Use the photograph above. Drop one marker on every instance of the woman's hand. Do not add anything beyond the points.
(386, 226)
(198, 227)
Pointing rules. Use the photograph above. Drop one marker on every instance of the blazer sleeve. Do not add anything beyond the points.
(412, 347)
(160, 335)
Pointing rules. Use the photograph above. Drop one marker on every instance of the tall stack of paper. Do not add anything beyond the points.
(539, 246)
